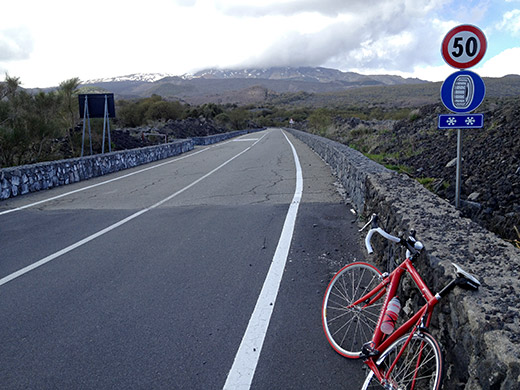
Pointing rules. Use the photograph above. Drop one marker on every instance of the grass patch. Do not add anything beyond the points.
(432, 184)
(427, 182)
(383, 159)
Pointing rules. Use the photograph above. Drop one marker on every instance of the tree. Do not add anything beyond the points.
(162, 110)
(30, 125)
(320, 120)
(69, 92)
(238, 118)
(9, 86)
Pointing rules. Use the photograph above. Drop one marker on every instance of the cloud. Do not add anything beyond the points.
(502, 64)
(330, 8)
(185, 3)
(391, 35)
(510, 22)
(15, 44)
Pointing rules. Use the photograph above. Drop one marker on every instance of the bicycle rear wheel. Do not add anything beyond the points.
(420, 366)
(347, 329)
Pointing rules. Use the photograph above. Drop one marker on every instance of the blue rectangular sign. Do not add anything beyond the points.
(461, 121)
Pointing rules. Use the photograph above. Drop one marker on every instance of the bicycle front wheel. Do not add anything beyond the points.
(420, 367)
(348, 328)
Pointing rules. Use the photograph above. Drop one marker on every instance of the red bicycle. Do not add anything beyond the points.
(356, 305)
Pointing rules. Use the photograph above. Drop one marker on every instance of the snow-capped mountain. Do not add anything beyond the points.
(279, 73)
(218, 84)
(307, 74)
(303, 73)
(142, 77)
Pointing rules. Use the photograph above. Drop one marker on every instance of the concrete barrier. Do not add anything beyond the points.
(479, 331)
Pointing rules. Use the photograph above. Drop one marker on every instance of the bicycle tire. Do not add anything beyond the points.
(347, 329)
(429, 373)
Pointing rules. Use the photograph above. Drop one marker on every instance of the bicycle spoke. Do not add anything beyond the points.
(348, 328)
(418, 364)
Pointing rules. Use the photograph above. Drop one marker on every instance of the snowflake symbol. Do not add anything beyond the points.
(470, 121)
(451, 121)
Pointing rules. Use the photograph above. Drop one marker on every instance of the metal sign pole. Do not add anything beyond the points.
(98, 106)
(459, 168)
(90, 134)
(108, 129)
(85, 118)
(104, 125)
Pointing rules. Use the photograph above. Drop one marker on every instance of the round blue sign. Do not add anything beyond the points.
(463, 91)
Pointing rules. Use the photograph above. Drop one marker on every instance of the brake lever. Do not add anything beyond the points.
(373, 221)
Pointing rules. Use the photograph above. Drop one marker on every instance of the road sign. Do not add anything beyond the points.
(461, 121)
(463, 91)
(464, 46)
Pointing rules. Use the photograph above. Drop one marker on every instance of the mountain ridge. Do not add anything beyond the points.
(303, 73)
(316, 87)
(212, 83)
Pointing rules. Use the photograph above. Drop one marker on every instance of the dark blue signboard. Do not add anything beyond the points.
(463, 91)
(96, 105)
(461, 121)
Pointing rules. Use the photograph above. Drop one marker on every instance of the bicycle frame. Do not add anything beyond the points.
(421, 318)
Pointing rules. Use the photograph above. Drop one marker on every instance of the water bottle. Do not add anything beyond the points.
(390, 317)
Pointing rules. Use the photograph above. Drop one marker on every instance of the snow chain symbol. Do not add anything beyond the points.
(470, 121)
(451, 121)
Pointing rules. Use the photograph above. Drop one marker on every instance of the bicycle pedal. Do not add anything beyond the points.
(368, 350)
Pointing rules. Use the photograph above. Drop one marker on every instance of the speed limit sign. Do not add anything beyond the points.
(464, 46)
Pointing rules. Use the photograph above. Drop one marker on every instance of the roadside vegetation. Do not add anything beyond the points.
(33, 126)
(43, 126)
(46, 125)
(39, 126)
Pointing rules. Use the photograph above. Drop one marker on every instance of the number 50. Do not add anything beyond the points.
(471, 47)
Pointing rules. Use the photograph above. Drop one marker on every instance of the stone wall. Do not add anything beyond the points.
(479, 331)
(211, 139)
(23, 179)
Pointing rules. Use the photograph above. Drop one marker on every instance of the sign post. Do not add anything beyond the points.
(96, 105)
(463, 91)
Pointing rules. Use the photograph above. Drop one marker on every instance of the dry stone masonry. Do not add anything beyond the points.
(479, 331)
(23, 179)
(35, 177)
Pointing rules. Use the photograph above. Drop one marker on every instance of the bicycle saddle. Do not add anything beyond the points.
(465, 279)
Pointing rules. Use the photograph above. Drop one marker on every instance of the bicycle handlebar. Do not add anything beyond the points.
(411, 244)
(381, 232)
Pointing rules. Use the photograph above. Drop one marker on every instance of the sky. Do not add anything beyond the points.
(47, 42)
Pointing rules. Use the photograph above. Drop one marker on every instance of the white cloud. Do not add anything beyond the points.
(510, 22)
(330, 8)
(502, 64)
(110, 38)
(390, 36)
(15, 44)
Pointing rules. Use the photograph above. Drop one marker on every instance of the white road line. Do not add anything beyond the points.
(241, 374)
(49, 258)
(114, 179)
(100, 184)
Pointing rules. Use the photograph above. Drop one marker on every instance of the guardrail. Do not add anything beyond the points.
(479, 332)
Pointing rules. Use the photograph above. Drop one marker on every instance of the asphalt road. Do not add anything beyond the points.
(150, 280)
